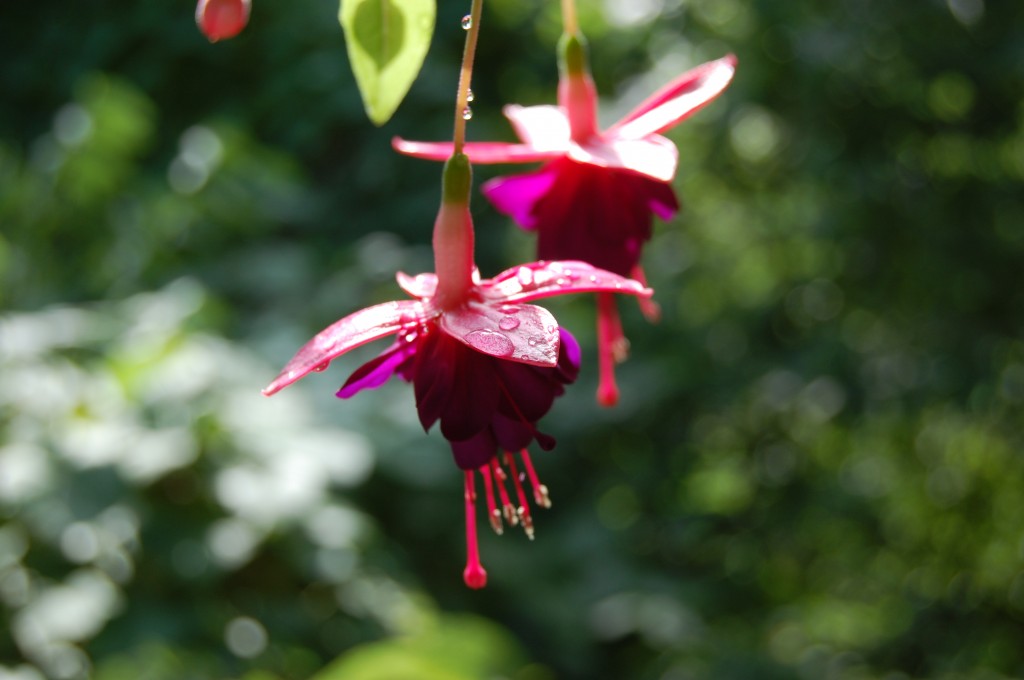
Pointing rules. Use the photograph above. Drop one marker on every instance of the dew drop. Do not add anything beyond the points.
(490, 342)
(467, 113)
(469, 95)
(321, 367)
(561, 281)
(552, 329)
(508, 323)
(467, 22)
(593, 279)
(511, 309)
(533, 342)
(525, 277)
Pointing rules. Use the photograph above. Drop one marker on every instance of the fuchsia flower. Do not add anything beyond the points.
(483, 361)
(595, 198)
(222, 19)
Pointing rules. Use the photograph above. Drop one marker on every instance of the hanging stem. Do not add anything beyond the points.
(466, 75)
(570, 26)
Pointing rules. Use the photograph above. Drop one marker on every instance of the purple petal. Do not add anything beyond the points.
(476, 451)
(516, 195)
(377, 371)
(348, 333)
(518, 333)
(678, 100)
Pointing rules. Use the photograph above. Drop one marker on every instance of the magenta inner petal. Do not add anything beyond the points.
(377, 371)
(516, 195)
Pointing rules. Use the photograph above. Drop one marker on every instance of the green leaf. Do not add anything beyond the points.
(387, 41)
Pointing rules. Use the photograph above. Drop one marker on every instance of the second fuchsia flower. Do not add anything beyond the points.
(595, 198)
(484, 362)
(222, 19)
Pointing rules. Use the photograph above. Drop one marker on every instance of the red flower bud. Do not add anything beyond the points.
(222, 19)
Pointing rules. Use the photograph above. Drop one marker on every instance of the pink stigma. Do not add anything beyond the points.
(474, 575)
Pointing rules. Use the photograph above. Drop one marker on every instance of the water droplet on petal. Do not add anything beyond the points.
(508, 323)
(552, 329)
(467, 113)
(593, 279)
(525, 277)
(533, 342)
(469, 95)
(490, 342)
(321, 367)
(511, 309)
(561, 281)
(467, 22)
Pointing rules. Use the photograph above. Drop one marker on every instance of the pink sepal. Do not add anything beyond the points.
(419, 286)
(678, 100)
(653, 156)
(478, 152)
(523, 333)
(354, 330)
(543, 279)
(543, 128)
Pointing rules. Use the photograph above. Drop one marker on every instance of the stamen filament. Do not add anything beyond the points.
(524, 507)
(610, 349)
(648, 307)
(540, 492)
(499, 475)
(474, 574)
(493, 514)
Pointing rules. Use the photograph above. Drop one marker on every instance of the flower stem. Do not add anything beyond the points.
(570, 26)
(466, 75)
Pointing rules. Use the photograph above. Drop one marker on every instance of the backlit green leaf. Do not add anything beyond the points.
(387, 41)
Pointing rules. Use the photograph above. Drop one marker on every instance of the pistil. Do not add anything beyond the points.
(474, 575)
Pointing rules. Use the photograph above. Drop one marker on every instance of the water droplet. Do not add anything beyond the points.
(508, 323)
(490, 342)
(533, 342)
(469, 95)
(467, 113)
(511, 309)
(467, 22)
(561, 281)
(552, 329)
(321, 367)
(525, 277)
(593, 279)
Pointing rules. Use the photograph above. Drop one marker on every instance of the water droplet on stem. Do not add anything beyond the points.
(467, 22)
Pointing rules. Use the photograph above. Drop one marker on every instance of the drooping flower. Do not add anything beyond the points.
(597, 194)
(222, 19)
(484, 362)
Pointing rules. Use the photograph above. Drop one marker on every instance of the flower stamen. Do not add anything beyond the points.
(493, 514)
(474, 574)
(540, 491)
(648, 307)
(499, 475)
(612, 348)
(524, 507)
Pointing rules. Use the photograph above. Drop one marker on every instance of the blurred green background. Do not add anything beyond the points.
(816, 469)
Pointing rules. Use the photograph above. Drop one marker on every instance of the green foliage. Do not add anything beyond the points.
(387, 42)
